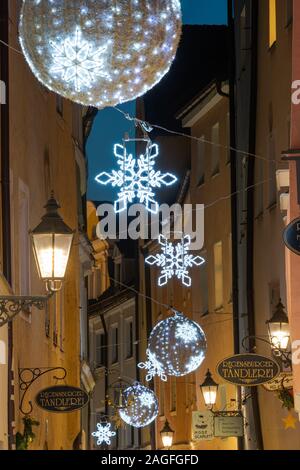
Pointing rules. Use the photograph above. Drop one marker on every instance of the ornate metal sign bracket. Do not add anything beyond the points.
(11, 306)
(28, 376)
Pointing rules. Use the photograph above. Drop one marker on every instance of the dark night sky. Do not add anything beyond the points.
(110, 126)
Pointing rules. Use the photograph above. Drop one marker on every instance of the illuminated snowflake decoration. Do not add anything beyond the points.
(186, 332)
(154, 367)
(176, 347)
(141, 38)
(194, 363)
(103, 434)
(142, 406)
(136, 178)
(147, 399)
(77, 61)
(175, 261)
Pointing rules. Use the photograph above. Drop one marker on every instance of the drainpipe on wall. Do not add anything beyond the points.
(234, 197)
(5, 195)
(250, 215)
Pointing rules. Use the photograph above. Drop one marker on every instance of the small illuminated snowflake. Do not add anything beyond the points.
(147, 399)
(153, 366)
(186, 332)
(136, 178)
(77, 61)
(175, 261)
(103, 433)
(194, 363)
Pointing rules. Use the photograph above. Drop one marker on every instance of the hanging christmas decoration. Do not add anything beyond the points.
(176, 347)
(142, 406)
(136, 177)
(103, 434)
(174, 261)
(100, 53)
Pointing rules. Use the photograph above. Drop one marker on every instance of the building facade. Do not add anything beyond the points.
(41, 151)
(208, 118)
(262, 122)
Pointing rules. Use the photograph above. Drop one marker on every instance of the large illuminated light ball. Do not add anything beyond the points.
(142, 406)
(177, 346)
(100, 52)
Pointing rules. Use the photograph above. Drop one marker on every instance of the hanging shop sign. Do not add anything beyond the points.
(283, 381)
(62, 399)
(249, 370)
(229, 425)
(202, 426)
(291, 236)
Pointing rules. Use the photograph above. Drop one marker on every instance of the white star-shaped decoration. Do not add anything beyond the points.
(136, 178)
(153, 366)
(147, 399)
(77, 61)
(186, 332)
(194, 363)
(103, 433)
(174, 261)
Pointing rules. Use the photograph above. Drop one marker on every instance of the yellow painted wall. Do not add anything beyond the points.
(273, 116)
(42, 158)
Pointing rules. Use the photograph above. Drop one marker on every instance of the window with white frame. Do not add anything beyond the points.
(129, 338)
(100, 349)
(114, 346)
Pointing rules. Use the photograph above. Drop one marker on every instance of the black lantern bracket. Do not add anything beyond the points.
(12, 305)
(281, 356)
(28, 376)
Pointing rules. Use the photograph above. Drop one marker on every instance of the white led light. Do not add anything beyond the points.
(171, 352)
(73, 46)
(103, 434)
(76, 62)
(142, 406)
(136, 178)
(174, 261)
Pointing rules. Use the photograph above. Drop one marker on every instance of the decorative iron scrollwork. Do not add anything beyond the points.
(28, 376)
(11, 306)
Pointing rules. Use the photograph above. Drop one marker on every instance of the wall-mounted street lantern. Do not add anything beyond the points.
(167, 435)
(279, 331)
(52, 240)
(209, 390)
(278, 336)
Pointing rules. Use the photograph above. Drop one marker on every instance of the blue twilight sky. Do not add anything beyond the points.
(109, 125)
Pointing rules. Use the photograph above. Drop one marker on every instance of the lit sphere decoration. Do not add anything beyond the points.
(176, 347)
(142, 406)
(98, 52)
